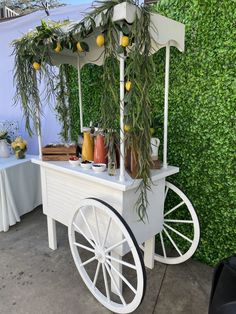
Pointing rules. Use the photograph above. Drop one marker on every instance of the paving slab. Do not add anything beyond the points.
(37, 280)
(181, 292)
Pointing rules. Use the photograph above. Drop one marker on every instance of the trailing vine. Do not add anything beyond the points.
(120, 39)
(63, 101)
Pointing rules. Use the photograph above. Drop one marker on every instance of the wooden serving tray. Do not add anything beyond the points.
(58, 152)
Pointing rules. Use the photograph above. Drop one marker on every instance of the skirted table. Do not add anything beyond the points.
(20, 189)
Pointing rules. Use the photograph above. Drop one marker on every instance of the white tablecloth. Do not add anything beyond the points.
(20, 189)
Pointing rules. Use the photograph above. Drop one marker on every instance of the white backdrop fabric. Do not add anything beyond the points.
(14, 29)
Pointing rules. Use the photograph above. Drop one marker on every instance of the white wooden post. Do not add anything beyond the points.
(118, 267)
(38, 123)
(122, 137)
(38, 131)
(149, 250)
(52, 234)
(80, 96)
(167, 69)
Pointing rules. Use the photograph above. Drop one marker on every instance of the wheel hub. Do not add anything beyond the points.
(100, 255)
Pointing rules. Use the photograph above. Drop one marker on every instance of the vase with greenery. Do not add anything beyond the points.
(19, 146)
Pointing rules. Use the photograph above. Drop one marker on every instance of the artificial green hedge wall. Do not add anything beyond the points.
(91, 96)
(202, 129)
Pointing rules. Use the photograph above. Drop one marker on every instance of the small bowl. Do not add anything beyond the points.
(99, 167)
(75, 163)
(87, 165)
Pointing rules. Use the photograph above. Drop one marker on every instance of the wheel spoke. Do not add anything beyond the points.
(96, 219)
(115, 285)
(166, 191)
(80, 231)
(121, 262)
(106, 282)
(88, 261)
(84, 247)
(172, 241)
(89, 229)
(115, 245)
(107, 230)
(122, 277)
(174, 208)
(179, 233)
(163, 245)
(96, 274)
(179, 221)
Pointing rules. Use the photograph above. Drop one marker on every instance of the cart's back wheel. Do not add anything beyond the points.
(179, 238)
(93, 242)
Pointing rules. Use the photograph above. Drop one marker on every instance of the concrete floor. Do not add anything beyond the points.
(36, 280)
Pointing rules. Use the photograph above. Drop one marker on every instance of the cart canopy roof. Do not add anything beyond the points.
(162, 29)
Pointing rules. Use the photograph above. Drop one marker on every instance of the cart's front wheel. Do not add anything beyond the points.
(179, 238)
(97, 235)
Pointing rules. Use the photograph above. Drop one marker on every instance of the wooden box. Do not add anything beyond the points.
(131, 164)
(58, 152)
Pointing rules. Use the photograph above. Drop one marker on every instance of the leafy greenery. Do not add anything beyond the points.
(201, 139)
(201, 111)
(202, 99)
(33, 55)
(4, 136)
(138, 70)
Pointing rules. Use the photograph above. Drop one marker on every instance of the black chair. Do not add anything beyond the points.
(223, 292)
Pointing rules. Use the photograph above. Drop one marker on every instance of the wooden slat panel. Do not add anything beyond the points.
(56, 157)
(60, 149)
(58, 153)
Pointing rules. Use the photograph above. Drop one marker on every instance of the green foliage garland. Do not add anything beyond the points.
(33, 53)
(33, 48)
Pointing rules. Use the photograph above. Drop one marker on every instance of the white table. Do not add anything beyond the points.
(20, 189)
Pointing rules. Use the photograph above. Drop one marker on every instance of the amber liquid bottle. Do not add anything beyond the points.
(87, 147)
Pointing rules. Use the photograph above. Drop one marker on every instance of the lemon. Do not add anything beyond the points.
(127, 127)
(36, 66)
(128, 86)
(19, 139)
(124, 41)
(100, 40)
(58, 48)
(22, 145)
(152, 131)
(79, 48)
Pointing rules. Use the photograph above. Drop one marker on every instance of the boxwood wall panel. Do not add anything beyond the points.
(202, 105)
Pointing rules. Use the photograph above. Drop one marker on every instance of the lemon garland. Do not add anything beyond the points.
(32, 63)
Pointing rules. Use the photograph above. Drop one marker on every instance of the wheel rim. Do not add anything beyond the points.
(171, 229)
(93, 230)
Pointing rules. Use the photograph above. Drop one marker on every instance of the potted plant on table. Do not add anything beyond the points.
(19, 146)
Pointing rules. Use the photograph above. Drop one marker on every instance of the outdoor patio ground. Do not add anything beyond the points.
(37, 280)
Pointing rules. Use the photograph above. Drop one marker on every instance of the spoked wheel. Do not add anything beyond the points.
(180, 235)
(93, 241)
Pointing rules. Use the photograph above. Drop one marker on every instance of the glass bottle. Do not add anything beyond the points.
(87, 147)
(112, 165)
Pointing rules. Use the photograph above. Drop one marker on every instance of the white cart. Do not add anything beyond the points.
(105, 233)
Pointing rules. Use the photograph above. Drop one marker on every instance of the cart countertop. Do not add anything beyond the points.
(103, 177)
